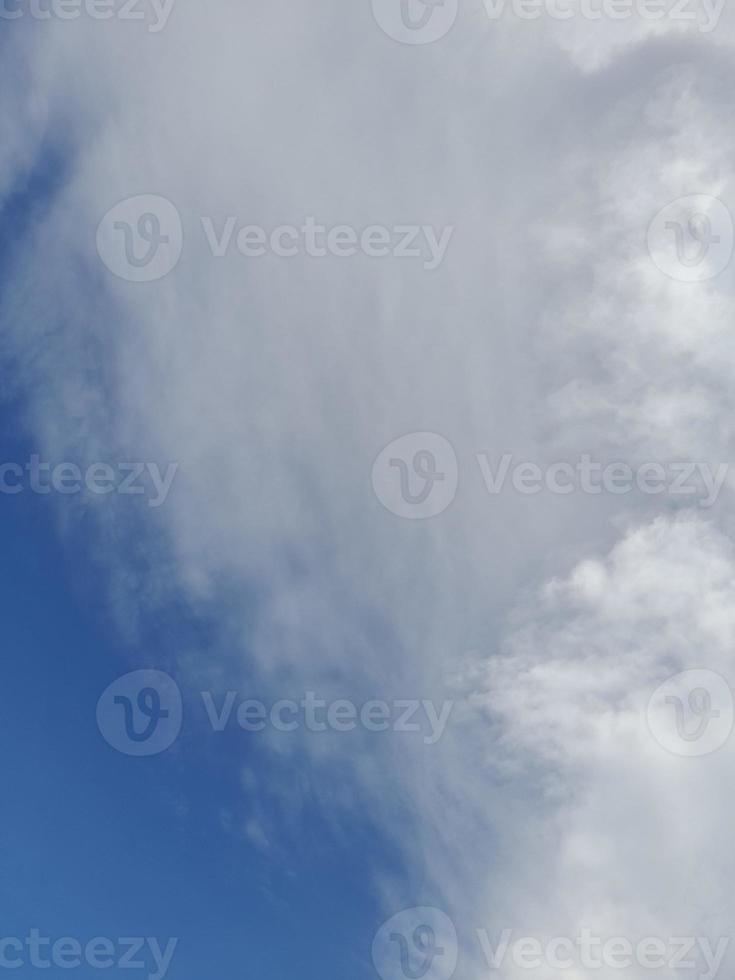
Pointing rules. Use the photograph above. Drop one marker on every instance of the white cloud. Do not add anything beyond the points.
(275, 384)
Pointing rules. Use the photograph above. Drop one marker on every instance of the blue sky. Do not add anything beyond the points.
(364, 294)
(96, 843)
(100, 844)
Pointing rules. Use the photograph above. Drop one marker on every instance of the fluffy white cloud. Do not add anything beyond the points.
(628, 839)
(275, 383)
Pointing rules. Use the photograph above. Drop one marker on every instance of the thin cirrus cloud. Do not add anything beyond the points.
(275, 383)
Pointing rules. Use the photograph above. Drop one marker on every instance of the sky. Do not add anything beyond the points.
(98, 844)
(365, 488)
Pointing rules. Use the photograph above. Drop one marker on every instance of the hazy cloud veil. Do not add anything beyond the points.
(546, 331)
